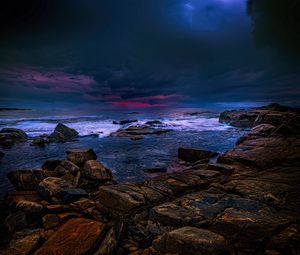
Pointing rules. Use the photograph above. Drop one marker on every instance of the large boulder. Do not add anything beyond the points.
(76, 237)
(10, 136)
(94, 170)
(62, 133)
(51, 164)
(52, 187)
(28, 179)
(80, 156)
(191, 241)
(194, 155)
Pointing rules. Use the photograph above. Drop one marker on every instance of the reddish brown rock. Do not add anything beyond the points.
(191, 241)
(76, 237)
(80, 156)
(94, 170)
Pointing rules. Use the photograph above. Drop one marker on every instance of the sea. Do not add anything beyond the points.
(190, 127)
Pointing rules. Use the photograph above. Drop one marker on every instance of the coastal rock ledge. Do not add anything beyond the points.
(248, 202)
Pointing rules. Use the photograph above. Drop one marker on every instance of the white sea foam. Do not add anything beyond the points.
(86, 125)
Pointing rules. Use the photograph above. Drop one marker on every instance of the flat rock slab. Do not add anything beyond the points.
(191, 241)
(76, 237)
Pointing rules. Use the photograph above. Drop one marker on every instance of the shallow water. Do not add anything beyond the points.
(126, 158)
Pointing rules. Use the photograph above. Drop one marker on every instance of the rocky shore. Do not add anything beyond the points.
(248, 202)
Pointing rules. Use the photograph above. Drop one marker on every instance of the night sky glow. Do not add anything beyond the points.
(158, 53)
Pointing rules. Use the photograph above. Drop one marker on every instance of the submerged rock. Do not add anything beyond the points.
(194, 155)
(62, 133)
(80, 156)
(50, 165)
(153, 122)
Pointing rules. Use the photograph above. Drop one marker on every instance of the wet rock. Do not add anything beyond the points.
(16, 221)
(80, 156)
(153, 122)
(50, 165)
(70, 195)
(50, 221)
(191, 241)
(239, 118)
(65, 167)
(29, 206)
(136, 137)
(112, 239)
(194, 155)
(286, 241)
(224, 169)
(124, 122)
(76, 237)
(10, 136)
(134, 131)
(23, 243)
(39, 141)
(28, 179)
(156, 169)
(52, 186)
(94, 170)
(62, 133)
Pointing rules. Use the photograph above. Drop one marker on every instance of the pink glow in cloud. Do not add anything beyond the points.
(58, 80)
(134, 104)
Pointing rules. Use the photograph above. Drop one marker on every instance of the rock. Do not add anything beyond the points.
(76, 237)
(29, 206)
(273, 114)
(156, 169)
(286, 241)
(52, 186)
(136, 137)
(62, 133)
(18, 133)
(239, 118)
(23, 243)
(39, 141)
(65, 167)
(10, 136)
(153, 122)
(70, 195)
(134, 131)
(16, 221)
(50, 221)
(94, 170)
(194, 155)
(28, 179)
(50, 165)
(191, 241)
(80, 156)
(224, 169)
(124, 122)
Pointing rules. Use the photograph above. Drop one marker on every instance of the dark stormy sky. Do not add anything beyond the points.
(148, 53)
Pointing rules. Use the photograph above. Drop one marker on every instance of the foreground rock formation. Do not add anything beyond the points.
(248, 202)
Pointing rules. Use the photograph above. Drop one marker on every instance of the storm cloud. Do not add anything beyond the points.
(148, 53)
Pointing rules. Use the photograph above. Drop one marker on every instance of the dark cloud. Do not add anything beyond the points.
(149, 53)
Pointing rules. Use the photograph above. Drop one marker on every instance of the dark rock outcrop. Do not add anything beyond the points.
(62, 133)
(10, 136)
(194, 155)
(95, 171)
(124, 122)
(80, 156)
(138, 131)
